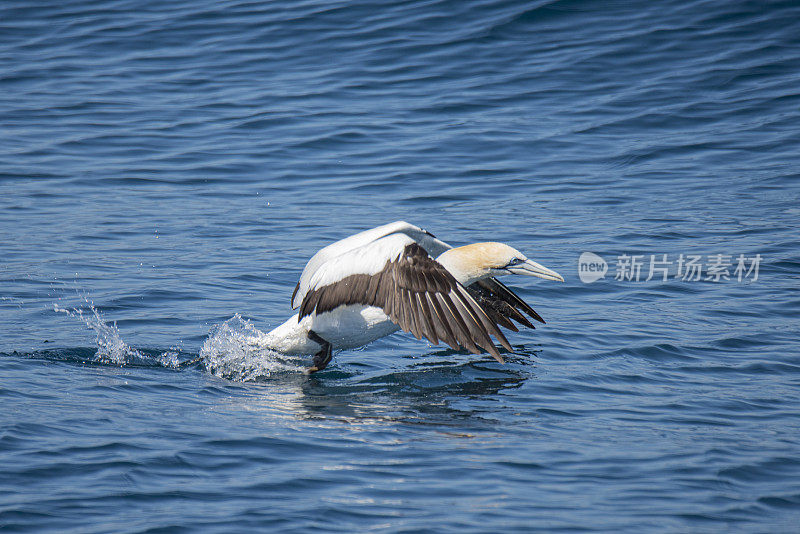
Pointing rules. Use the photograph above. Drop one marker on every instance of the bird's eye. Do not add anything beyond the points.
(515, 261)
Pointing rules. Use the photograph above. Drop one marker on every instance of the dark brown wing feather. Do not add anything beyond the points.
(423, 298)
(502, 304)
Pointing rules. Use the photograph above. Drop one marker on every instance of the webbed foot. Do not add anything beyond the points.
(323, 357)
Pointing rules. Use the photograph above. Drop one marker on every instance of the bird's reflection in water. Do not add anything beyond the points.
(445, 387)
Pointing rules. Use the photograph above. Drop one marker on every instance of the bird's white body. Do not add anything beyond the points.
(346, 327)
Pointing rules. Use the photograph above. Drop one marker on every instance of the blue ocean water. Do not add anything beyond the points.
(167, 168)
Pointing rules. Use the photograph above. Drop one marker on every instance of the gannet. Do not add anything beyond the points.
(401, 277)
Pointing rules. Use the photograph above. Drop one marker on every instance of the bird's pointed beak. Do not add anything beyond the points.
(531, 268)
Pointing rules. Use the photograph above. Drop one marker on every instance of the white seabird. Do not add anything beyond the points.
(400, 277)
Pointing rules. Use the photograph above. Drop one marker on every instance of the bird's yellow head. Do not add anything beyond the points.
(473, 262)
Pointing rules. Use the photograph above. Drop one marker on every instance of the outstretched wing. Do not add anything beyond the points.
(413, 289)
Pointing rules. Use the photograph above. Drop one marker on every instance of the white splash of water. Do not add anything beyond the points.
(110, 347)
(235, 350)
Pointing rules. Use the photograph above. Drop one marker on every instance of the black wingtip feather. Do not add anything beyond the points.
(294, 294)
(493, 290)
